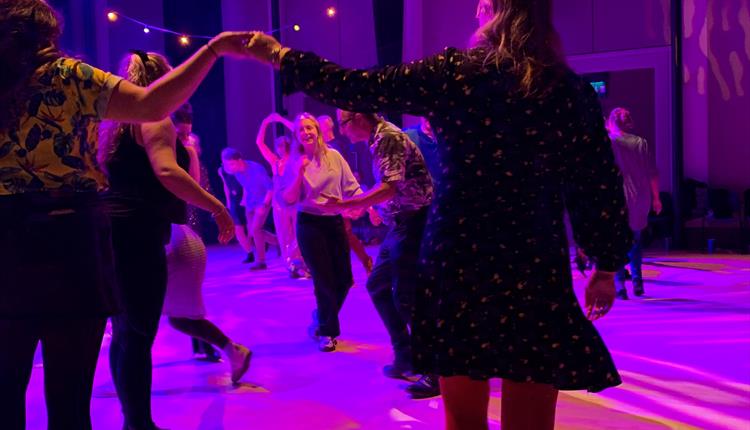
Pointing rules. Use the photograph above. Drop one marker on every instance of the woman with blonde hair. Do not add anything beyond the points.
(637, 161)
(311, 178)
(150, 187)
(284, 215)
(522, 140)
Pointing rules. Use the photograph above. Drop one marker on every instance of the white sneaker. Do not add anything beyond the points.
(239, 359)
(327, 344)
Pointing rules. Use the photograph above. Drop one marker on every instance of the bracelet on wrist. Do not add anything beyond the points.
(276, 55)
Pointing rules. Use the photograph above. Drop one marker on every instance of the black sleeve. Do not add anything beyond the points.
(594, 193)
(412, 88)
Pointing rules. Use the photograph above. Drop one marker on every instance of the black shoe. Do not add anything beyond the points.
(298, 273)
(628, 275)
(327, 344)
(249, 259)
(398, 372)
(258, 266)
(638, 287)
(426, 387)
(622, 293)
(208, 353)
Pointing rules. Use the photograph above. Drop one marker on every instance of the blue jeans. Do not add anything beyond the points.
(636, 259)
(393, 281)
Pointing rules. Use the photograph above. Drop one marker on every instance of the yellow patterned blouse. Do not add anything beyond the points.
(54, 145)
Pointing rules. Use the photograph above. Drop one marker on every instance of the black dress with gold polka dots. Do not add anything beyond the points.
(497, 298)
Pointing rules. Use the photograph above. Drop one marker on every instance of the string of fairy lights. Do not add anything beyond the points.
(184, 38)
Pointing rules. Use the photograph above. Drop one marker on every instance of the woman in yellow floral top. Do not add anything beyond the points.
(55, 249)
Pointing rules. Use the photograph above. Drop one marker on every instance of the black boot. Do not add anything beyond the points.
(426, 387)
(622, 293)
(204, 351)
(638, 287)
(249, 259)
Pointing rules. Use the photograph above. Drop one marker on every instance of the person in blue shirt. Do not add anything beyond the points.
(257, 193)
(423, 136)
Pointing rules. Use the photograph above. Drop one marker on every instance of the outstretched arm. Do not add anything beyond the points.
(409, 88)
(131, 103)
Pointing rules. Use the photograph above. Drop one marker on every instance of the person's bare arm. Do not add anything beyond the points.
(195, 164)
(159, 142)
(131, 103)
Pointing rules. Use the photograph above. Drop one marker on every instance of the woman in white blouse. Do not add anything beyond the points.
(314, 177)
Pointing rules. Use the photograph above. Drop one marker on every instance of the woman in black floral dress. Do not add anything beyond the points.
(521, 140)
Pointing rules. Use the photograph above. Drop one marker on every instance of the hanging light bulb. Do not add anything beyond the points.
(331, 12)
(296, 27)
(112, 16)
(146, 30)
(184, 40)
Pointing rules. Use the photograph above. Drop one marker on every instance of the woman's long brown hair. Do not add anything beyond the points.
(29, 34)
(522, 35)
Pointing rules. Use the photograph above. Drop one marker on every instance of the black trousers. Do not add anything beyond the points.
(324, 246)
(56, 287)
(393, 281)
(141, 270)
(70, 348)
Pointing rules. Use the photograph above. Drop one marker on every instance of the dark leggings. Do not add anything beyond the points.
(56, 277)
(324, 246)
(141, 269)
(70, 348)
(202, 329)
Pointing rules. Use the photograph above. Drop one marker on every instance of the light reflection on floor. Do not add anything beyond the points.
(683, 351)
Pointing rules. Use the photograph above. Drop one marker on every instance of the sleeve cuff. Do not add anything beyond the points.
(102, 101)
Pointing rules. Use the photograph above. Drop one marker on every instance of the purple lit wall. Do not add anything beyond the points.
(248, 85)
(716, 85)
(348, 38)
(598, 36)
(119, 37)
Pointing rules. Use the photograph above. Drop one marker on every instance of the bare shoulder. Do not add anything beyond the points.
(163, 130)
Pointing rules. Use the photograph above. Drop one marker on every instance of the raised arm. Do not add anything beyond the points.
(131, 103)
(260, 139)
(409, 88)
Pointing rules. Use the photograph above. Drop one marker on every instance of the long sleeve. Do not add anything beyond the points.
(594, 193)
(409, 88)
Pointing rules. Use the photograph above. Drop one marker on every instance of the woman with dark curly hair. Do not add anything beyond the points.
(56, 271)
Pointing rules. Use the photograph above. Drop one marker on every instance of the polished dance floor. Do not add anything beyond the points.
(683, 351)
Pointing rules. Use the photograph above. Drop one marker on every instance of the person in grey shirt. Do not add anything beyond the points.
(637, 161)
